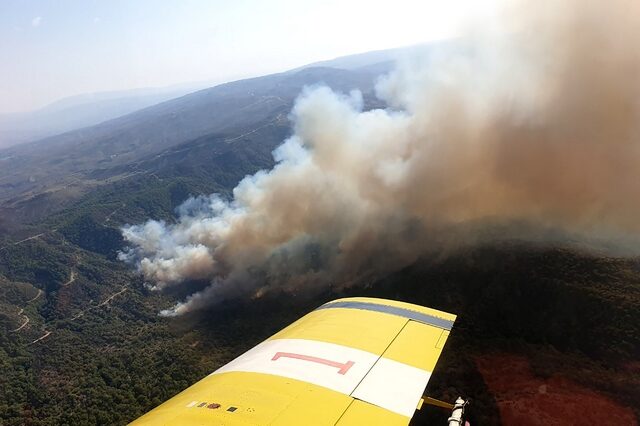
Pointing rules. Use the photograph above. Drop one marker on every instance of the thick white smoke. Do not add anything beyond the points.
(539, 121)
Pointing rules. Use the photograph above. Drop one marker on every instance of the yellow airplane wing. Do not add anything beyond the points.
(355, 361)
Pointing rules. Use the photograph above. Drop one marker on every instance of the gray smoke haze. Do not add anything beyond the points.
(534, 116)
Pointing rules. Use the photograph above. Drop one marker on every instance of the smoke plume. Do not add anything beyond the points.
(533, 116)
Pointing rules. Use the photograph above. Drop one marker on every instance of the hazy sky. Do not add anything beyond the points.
(50, 49)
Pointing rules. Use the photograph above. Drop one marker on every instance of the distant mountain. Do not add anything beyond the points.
(86, 110)
(81, 111)
(367, 59)
(182, 136)
(383, 61)
(176, 137)
(37, 177)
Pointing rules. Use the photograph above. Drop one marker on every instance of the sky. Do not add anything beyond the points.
(51, 49)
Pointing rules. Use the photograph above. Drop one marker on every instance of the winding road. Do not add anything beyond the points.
(41, 338)
(71, 279)
(104, 302)
(108, 217)
(33, 237)
(35, 297)
(26, 321)
(26, 318)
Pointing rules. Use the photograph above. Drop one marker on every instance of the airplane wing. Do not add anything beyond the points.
(352, 361)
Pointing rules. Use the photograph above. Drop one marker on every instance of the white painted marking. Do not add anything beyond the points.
(260, 359)
(394, 386)
(388, 384)
(343, 368)
(191, 404)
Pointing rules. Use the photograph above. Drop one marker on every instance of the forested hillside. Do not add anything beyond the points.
(81, 341)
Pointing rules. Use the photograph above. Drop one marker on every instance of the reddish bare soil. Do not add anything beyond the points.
(524, 399)
(633, 367)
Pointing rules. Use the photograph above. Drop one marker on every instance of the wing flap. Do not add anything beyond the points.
(396, 382)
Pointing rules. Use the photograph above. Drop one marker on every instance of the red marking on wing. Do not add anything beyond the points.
(342, 367)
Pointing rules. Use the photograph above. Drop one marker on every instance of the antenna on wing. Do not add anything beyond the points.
(458, 417)
(457, 413)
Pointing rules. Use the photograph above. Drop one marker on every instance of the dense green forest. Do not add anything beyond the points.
(95, 351)
(110, 357)
(105, 356)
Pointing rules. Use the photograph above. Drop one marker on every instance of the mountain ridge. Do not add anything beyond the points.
(69, 162)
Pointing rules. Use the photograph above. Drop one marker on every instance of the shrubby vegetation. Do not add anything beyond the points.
(109, 362)
(119, 359)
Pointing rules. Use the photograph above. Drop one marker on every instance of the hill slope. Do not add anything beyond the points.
(81, 111)
(556, 318)
(39, 176)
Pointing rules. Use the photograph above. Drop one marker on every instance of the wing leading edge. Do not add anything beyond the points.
(350, 362)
